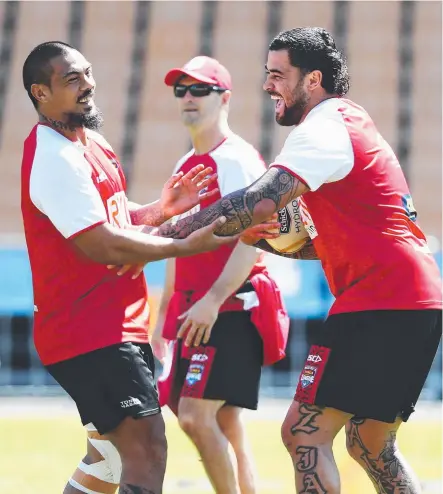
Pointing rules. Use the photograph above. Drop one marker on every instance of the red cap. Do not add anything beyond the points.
(204, 69)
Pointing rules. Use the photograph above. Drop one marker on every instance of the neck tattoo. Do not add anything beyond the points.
(57, 124)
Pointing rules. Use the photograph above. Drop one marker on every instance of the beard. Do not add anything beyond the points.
(92, 120)
(293, 114)
(191, 118)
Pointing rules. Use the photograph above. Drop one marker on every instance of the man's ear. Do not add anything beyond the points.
(226, 97)
(41, 92)
(314, 79)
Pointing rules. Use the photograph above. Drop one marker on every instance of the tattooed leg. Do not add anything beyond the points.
(142, 446)
(373, 445)
(308, 432)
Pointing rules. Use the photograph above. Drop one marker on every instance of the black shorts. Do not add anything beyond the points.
(228, 367)
(110, 384)
(372, 364)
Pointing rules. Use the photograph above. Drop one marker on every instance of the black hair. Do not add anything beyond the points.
(37, 68)
(313, 48)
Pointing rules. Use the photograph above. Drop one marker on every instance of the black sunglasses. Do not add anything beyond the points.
(197, 90)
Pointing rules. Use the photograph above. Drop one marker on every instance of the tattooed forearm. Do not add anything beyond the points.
(308, 414)
(385, 468)
(307, 253)
(151, 214)
(134, 489)
(242, 208)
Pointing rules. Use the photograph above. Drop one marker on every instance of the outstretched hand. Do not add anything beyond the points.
(182, 191)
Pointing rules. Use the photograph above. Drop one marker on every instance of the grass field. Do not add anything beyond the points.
(40, 446)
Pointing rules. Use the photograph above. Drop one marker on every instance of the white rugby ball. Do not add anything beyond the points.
(293, 234)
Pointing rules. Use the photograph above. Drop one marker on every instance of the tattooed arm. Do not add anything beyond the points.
(149, 214)
(307, 253)
(242, 208)
(179, 194)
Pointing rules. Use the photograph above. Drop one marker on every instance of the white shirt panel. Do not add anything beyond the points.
(238, 164)
(99, 138)
(61, 185)
(319, 150)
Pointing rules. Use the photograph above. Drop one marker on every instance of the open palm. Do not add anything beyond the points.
(184, 191)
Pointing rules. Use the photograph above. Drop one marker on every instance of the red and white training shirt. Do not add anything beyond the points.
(238, 164)
(359, 212)
(67, 189)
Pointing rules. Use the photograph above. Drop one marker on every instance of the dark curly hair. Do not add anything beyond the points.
(313, 48)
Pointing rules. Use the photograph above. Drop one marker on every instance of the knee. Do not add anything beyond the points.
(364, 442)
(145, 457)
(150, 445)
(197, 423)
(309, 425)
(155, 445)
(354, 450)
(371, 452)
(354, 444)
(290, 439)
(190, 423)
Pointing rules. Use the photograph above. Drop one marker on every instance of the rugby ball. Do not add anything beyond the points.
(293, 234)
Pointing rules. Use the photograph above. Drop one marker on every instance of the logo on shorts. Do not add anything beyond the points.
(199, 357)
(130, 403)
(195, 372)
(308, 375)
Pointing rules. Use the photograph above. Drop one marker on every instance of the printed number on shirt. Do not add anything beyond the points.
(118, 212)
(307, 219)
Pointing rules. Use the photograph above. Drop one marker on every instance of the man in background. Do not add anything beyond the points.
(212, 303)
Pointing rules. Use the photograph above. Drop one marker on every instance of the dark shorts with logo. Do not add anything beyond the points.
(372, 364)
(227, 368)
(110, 384)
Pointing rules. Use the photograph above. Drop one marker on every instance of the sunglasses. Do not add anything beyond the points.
(197, 90)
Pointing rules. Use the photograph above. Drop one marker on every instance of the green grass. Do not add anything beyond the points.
(38, 455)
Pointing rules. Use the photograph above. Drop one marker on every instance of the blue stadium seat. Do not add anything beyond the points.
(313, 299)
(16, 297)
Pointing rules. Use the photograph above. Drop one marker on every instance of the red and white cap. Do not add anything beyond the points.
(203, 69)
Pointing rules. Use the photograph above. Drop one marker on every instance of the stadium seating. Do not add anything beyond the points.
(133, 44)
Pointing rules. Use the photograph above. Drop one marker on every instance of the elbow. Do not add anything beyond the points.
(261, 210)
(265, 210)
(102, 245)
(102, 250)
(103, 254)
